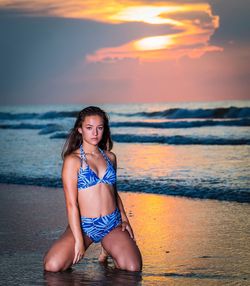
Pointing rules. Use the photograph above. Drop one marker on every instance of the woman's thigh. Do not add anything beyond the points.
(123, 250)
(61, 254)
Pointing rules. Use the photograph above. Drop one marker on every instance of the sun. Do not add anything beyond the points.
(153, 43)
(147, 14)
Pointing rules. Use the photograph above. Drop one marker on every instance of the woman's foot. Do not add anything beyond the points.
(103, 256)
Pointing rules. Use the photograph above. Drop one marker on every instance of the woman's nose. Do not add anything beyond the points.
(94, 131)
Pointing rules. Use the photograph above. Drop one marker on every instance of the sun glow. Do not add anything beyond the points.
(191, 27)
(147, 14)
(153, 43)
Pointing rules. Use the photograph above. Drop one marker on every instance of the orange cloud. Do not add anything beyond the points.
(192, 25)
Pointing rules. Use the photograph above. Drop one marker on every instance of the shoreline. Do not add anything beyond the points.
(182, 240)
(177, 196)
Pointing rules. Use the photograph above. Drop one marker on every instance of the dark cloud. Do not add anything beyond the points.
(234, 21)
(38, 49)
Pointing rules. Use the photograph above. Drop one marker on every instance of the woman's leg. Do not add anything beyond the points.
(123, 249)
(61, 254)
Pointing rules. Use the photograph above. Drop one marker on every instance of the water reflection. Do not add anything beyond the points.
(182, 238)
(106, 275)
(202, 168)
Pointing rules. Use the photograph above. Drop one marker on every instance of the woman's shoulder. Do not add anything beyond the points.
(73, 159)
(111, 156)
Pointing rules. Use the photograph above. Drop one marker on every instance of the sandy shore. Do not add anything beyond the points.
(183, 241)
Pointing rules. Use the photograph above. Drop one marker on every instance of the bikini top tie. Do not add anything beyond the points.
(88, 178)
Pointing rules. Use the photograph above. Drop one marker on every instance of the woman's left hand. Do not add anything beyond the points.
(127, 226)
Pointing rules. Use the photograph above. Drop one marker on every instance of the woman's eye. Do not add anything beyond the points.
(89, 128)
(100, 128)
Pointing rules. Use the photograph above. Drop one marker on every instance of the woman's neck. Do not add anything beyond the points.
(90, 149)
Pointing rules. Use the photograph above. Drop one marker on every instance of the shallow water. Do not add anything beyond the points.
(183, 241)
(199, 171)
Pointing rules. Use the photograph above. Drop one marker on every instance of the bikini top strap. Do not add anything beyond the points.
(82, 154)
(104, 155)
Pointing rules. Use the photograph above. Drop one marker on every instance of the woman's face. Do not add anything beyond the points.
(92, 129)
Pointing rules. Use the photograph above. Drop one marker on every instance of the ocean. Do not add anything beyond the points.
(194, 149)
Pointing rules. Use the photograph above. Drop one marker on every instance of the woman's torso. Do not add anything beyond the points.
(96, 179)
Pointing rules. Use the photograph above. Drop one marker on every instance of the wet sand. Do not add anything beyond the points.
(183, 241)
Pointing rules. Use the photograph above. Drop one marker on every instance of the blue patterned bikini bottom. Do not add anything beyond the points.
(97, 228)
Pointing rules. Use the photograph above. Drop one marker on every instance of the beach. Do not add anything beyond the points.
(183, 176)
(183, 241)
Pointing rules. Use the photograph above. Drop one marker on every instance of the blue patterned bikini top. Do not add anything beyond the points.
(88, 178)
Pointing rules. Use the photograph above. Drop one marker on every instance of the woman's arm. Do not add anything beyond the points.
(69, 178)
(121, 208)
(125, 222)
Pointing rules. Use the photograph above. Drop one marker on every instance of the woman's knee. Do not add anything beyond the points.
(130, 263)
(53, 265)
(134, 266)
(130, 266)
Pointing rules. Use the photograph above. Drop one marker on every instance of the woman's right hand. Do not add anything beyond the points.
(79, 252)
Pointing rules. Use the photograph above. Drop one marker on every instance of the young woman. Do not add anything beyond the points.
(94, 208)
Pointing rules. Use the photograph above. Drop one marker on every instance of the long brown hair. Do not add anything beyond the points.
(74, 139)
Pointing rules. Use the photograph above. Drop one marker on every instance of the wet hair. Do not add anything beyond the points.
(74, 139)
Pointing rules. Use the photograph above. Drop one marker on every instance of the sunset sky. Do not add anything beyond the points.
(93, 51)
